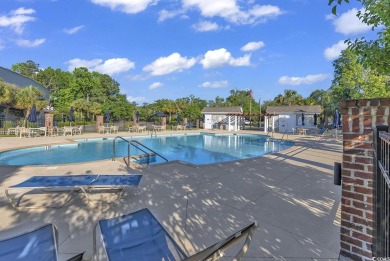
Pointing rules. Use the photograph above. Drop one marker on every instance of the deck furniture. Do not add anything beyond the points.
(71, 184)
(140, 236)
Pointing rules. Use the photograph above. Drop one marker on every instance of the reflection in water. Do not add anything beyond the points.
(196, 149)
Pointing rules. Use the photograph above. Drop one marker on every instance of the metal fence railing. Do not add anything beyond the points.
(381, 247)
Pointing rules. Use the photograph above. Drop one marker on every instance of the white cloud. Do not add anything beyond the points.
(215, 84)
(333, 52)
(252, 46)
(221, 57)
(206, 26)
(309, 79)
(165, 14)
(110, 66)
(74, 30)
(17, 19)
(232, 12)
(28, 43)
(155, 85)
(348, 23)
(172, 63)
(126, 6)
(136, 99)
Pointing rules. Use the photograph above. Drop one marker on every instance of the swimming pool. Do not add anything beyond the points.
(193, 148)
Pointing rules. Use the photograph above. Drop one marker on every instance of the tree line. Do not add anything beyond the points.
(361, 71)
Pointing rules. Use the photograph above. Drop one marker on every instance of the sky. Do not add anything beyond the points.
(169, 49)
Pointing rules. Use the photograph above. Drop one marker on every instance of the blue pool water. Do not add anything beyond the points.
(195, 149)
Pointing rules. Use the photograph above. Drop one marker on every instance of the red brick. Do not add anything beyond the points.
(380, 111)
(365, 222)
(370, 232)
(363, 103)
(346, 187)
(385, 102)
(354, 181)
(350, 255)
(354, 137)
(347, 165)
(367, 131)
(346, 202)
(346, 173)
(364, 160)
(347, 158)
(363, 190)
(351, 241)
(374, 102)
(344, 230)
(364, 145)
(354, 112)
(363, 237)
(362, 206)
(361, 252)
(348, 225)
(367, 122)
(380, 120)
(369, 200)
(364, 175)
(355, 125)
(352, 210)
(352, 103)
(345, 216)
(369, 168)
(367, 111)
(352, 195)
(345, 246)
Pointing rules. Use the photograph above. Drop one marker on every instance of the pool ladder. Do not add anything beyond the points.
(137, 145)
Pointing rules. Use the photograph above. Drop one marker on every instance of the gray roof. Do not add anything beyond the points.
(22, 81)
(294, 109)
(222, 110)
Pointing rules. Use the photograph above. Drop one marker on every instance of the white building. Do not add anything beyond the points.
(288, 118)
(225, 118)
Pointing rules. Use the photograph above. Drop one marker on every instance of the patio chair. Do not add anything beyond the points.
(39, 244)
(321, 132)
(78, 130)
(139, 236)
(85, 183)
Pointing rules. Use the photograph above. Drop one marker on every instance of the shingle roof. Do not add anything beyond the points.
(222, 110)
(21, 81)
(294, 108)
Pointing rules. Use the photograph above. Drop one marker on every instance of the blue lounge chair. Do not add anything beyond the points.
(37, 245)
(139, 236)
(85, 183)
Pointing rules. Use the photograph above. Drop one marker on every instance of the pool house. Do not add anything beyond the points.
(289, 118)
(223, 118)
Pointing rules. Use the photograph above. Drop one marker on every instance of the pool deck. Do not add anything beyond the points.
(289, 194)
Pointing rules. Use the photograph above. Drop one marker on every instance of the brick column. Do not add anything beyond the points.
(357, 222)
(49, 118)
(99, 122)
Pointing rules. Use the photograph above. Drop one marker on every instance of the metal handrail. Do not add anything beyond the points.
(128, 149)
(131, 142)
(158, 154)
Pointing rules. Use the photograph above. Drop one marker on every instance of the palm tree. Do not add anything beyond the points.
(7, 95)
(27, 96)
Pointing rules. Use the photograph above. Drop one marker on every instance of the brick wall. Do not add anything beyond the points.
(359, 120)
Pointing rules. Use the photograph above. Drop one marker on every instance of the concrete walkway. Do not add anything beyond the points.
(289, 194)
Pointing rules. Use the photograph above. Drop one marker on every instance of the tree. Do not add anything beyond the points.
(29, 69)
(7, 95)
(26, 97)
(375, 53)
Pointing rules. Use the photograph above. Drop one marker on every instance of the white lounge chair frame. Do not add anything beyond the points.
(72, 189)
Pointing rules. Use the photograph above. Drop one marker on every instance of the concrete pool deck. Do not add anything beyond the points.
(289, 194)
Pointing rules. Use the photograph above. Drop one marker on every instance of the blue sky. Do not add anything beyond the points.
(174, 48)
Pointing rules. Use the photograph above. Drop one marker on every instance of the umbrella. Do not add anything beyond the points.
(337, 122)
(136, 116)
(71, 111)
(33, 114)
(315, 119)
(178, 118)
(303, 119)
(107, 116)
(159, 114)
